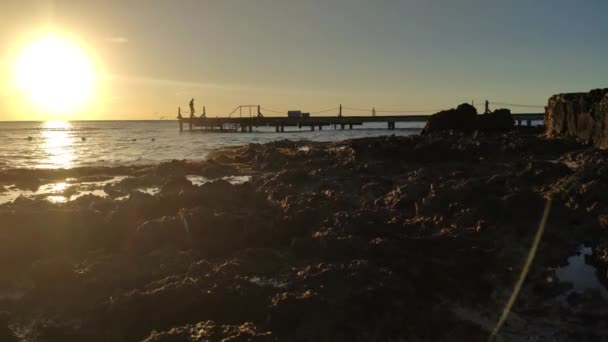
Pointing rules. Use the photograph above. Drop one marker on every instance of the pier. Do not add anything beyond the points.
(244, 124)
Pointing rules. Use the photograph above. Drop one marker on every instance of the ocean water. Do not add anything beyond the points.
(95, 143)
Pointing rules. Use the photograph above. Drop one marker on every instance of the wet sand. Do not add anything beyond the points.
(375, 239)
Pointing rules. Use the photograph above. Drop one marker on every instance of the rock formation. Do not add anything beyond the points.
(580, 115)
(465, 118)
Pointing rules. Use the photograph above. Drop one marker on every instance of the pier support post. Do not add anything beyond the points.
(242, 129)
(312, 127)
(250, 128)
(529, 122)
(342, 126)
(351, 126)
(518, 122)
(181, 125)
(282, 129)
(320, 127)
(276, 129)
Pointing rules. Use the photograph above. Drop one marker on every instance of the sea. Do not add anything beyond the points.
(71, 144)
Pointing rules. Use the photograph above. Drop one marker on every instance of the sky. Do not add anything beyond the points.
(152, 56)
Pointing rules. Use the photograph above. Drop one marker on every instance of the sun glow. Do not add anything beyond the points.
(54, 75)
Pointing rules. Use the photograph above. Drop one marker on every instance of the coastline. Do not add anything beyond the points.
(367, 239)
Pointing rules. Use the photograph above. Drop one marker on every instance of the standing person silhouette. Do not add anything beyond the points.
(192, 107)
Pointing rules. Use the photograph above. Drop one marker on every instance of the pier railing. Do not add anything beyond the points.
(246, 123)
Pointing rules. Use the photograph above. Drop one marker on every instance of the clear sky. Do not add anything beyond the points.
(152, 56)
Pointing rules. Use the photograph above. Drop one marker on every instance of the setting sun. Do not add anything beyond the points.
(54, 74)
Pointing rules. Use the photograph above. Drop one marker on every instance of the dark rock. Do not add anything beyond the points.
(583, 116)
(6, 334)
(498, 120)
(465, 118)
(303, 315)
(53, 331)
(53, 276)
(176, 185)
(210, 331)
(462, 119)
(159, 233)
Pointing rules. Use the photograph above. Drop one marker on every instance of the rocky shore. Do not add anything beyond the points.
(379, 239)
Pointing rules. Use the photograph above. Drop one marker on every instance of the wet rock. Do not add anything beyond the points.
(303, 315)
(544, 171)
(256, 261)
(218, 232)
(177, 300)
(6, 334)
(27, 182)
(157, 233)
(523, 206)
(129, 314)
(218, 193)
(305, 246)
(404, 197)
(54, 275)
(133, 211)
(211, 331)
(200, 268)
(176, 185)
(54, 331)
(173, 168)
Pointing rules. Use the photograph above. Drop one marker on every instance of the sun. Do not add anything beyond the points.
(54, 74)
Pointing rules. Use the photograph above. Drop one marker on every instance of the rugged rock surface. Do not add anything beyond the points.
(209, 331)
(378, 239)
(464, 118)
(583, 116)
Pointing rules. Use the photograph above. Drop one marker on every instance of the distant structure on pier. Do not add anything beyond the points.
(244, 117)
(297, 114)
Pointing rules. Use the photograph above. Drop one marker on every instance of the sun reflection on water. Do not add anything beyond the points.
(57, 144)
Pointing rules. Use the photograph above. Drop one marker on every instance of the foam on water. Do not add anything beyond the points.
(200, 180)
(70, 189)
(60, 192)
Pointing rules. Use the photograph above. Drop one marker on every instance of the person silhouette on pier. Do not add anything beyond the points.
(192, 107)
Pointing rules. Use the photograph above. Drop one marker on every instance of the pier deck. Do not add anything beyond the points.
(246, 124)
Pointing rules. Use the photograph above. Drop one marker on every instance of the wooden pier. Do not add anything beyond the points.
(246, 124)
